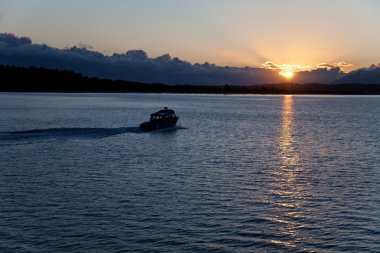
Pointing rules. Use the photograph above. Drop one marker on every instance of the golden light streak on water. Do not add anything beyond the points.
(288, 152)
(287, 191)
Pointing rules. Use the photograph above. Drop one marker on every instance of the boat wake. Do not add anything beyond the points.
(66, 133)
(71, 133)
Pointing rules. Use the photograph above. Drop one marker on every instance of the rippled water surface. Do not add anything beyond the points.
(241, 174)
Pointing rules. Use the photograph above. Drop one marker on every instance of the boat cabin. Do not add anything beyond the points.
(163, 114)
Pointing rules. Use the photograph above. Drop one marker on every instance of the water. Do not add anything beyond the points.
(242, 174)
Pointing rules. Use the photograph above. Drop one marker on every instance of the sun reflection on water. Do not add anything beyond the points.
(287, 191)
(288, 151)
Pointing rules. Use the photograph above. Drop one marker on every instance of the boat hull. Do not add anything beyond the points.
(158, 124)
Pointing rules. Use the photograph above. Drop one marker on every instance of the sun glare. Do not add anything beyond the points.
(287, 74)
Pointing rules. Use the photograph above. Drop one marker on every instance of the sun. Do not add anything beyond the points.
(287, 74)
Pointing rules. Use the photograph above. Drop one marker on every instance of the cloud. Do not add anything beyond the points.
(344, 66)
(326, 65)
(132, 56)
(82, 45)
(10, 40)
(320, 75)
(270, 65)
(136, 65)
(370, 75)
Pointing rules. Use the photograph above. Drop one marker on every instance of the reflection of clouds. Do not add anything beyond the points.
(286, 191)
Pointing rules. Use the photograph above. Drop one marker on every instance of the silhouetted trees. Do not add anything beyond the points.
(21, 79)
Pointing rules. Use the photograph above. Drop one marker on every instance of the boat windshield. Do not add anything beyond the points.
(162, 116)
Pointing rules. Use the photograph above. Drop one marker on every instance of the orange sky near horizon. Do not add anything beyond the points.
(292, 35)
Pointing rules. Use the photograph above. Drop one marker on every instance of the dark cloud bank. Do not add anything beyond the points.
(135, 65)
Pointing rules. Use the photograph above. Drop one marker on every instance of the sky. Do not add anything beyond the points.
(290, 35)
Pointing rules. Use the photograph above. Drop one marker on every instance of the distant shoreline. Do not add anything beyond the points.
(22, 79)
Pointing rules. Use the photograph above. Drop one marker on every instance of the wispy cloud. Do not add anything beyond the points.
(271, 65)
(324, 65)
(344, 66)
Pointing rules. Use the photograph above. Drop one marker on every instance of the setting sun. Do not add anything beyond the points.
(287, 74)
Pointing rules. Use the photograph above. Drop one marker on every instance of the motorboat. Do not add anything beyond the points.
(165, 118)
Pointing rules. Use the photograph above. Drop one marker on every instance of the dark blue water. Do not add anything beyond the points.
(242, 174)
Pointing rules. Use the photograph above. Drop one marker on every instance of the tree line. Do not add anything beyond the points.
(32, 79)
